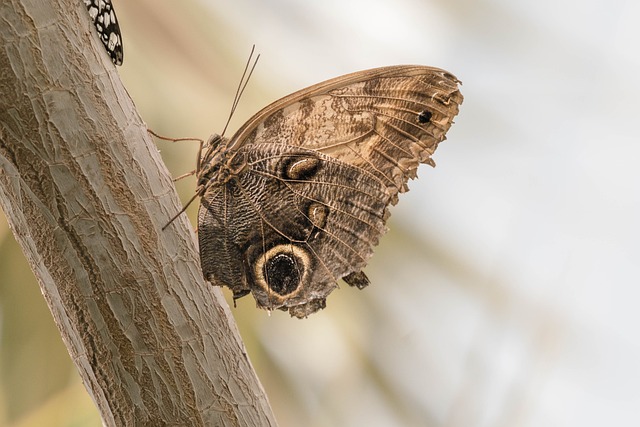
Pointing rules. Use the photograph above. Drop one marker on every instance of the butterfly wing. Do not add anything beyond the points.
(319, 170)
(299, 221)
(106, 23)
(386, 120)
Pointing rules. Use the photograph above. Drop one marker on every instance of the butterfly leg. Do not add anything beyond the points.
(166, 138)
(184, 175)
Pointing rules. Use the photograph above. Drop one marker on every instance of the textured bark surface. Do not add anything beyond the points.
(86, 194)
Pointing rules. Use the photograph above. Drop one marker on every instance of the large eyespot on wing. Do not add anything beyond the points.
(385, 120)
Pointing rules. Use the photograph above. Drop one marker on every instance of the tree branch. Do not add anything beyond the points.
(86, 194)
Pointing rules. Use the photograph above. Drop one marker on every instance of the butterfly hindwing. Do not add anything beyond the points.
(328, 217)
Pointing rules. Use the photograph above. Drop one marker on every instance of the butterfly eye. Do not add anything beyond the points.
(214, 141)
(424, 116)
(300, 168)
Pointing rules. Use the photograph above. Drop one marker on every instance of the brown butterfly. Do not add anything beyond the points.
(299, 196)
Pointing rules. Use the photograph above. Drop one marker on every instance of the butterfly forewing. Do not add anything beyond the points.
(374, 119)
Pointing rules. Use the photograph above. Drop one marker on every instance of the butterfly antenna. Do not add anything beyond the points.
(248, 71)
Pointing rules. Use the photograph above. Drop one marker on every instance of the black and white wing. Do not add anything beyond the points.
(104, 18)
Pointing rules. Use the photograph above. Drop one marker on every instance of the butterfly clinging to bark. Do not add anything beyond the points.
(298, 198)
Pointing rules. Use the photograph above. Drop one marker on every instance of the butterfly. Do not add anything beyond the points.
(298, 198)
(106, 23)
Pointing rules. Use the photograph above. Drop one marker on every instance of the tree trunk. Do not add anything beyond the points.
(86, 195)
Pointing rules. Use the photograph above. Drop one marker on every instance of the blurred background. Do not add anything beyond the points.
(506, 292)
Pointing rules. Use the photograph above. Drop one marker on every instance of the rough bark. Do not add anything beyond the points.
(86, 194)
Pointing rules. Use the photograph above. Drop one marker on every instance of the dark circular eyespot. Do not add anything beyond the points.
(282, 273)
(424, 116)
(300, 167)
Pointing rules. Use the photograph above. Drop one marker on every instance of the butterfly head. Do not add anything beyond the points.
(218, 163)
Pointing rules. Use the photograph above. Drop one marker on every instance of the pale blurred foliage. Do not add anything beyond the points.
(506, 293)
